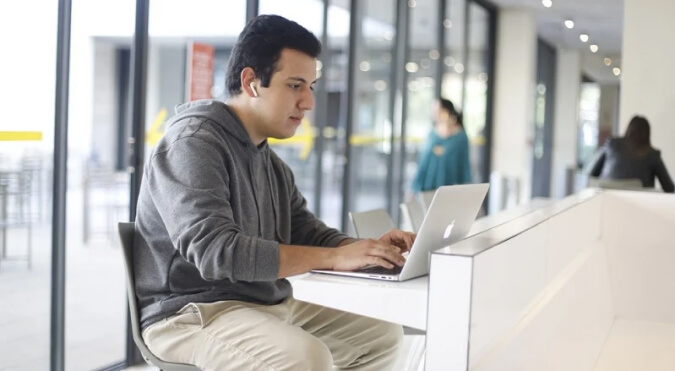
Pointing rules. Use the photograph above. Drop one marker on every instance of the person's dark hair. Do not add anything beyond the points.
(260, 44)
(448, 106)
(638, 133)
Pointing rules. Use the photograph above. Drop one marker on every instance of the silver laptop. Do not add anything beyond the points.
(448, 220)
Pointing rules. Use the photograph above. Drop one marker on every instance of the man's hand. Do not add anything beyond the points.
(367, 252)
(402, 240)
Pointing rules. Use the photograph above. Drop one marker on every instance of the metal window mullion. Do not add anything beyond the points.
(252, 9)
(466, 50)
(440, 46)
(321, 111)
(139, 67)
(354, 27)
(400, 85)
(60, 173)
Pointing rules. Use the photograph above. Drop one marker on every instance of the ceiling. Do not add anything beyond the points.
(601, 20)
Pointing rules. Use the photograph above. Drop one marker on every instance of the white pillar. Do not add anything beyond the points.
(566, 118)
(647, 85)
(514, 97)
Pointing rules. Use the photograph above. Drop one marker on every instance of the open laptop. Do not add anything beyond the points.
(448, 220)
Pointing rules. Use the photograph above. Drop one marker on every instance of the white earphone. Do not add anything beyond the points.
(255, 92)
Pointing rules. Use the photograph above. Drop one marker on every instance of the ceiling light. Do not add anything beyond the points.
(608, 61)
(412, 3)
(364, 66)
(447, 23)
(434, 54)
(616, 71)
(594, 48)
(569, 24)
(547, 3)
(583, 37)
(411, 67)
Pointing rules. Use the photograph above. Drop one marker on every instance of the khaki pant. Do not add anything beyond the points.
(293, 335)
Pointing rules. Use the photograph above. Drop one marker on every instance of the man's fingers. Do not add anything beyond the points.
(381, 262)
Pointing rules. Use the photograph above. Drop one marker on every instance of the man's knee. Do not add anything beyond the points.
(313, 354)
(392, 335)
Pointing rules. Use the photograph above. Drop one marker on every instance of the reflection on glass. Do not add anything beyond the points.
(27, 82)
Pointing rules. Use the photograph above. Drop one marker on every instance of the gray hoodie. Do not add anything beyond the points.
(212, 211)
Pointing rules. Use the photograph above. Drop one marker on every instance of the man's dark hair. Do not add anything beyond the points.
(260, 44)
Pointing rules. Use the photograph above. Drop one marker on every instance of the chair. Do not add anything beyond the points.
(626, 184)
(127, 238)
(372, 223)
(412, 214)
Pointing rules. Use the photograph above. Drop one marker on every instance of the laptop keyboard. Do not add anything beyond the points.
(376, 269)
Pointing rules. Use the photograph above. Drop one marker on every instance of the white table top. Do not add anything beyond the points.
(405, 302)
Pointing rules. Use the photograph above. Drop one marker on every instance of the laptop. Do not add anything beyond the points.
(448, 220)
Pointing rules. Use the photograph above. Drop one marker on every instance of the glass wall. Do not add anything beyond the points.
(477, 76)
(98, 187)
(421, 67)
(300, 151)
(371, 126)
(26, 147)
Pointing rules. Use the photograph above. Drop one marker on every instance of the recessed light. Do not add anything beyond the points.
(569, 24)
(616, 71)
(608, 61)
(594, 48)
(547, 3)
(583, 37)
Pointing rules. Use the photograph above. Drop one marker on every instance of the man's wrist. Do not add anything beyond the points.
(347, 241)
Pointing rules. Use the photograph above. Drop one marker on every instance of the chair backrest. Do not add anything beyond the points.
(627, 184)
(425, 199)
(127, 239)
(372, 223)
(412, 214)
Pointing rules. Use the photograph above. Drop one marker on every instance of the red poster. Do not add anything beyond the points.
(200, 71)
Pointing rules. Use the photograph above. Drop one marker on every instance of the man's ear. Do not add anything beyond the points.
(248, 82)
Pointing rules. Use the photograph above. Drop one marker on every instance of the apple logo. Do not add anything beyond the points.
(448, 230)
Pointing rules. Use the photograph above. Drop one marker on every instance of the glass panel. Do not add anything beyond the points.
(98, 192)
(454, 60)
(298, 152)
(421, 66)
(476, 89)
(589, 108)
(27, 78)
(372, 125)
(334, 70)
(180, 32)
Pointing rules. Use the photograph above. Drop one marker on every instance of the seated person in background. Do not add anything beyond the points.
(221, 224)
(632, 156)
(444, 159)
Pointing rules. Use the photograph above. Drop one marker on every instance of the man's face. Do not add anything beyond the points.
(282, 106)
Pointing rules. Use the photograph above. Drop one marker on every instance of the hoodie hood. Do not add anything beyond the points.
(216, 111)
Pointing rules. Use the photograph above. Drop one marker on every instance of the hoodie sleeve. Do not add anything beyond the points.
(189, 186)
(306, 228)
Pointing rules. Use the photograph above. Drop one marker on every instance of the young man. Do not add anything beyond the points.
(220, 224)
